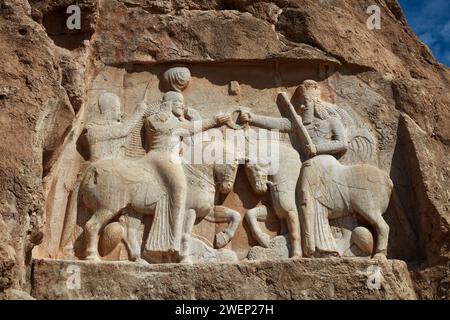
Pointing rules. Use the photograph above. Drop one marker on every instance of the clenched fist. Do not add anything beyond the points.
(245, 115)
(222, 118)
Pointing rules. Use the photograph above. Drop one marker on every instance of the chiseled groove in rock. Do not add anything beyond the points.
(217, 5)
(128, 65)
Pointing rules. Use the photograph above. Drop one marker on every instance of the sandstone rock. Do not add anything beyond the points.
(200, 252)
(386, 80)
(12, 294)
(288, 279)
(278, 249)
(35, 117)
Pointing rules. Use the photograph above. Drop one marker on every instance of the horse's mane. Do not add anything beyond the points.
(200, 176)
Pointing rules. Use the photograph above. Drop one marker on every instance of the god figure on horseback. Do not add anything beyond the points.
(327, 189)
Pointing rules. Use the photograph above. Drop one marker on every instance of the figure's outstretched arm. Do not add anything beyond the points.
(271, 123)
(131, 122)
(188, 128)
(120, 130)
(193, 115)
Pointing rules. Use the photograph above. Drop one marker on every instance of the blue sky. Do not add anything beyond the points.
(430, 20)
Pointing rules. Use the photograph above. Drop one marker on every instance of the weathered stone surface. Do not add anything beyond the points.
(12, 294)
(195, 35)
(50, 76)
(278, 249)
(284, 279)
(34, 118)
(203, 253)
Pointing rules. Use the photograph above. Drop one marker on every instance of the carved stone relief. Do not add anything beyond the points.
(146, 190)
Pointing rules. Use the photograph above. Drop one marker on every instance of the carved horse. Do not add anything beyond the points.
(202, 181)
(334, 190)
(112, 187)
(282, 185)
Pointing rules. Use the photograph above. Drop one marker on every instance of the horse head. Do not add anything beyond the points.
(258, 177)
(225, 175)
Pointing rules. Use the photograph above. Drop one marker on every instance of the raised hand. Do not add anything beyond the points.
(222, 118)
(244, 115)
(312, 150)
(226, 119)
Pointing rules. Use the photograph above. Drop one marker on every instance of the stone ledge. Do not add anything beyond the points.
(330, 278)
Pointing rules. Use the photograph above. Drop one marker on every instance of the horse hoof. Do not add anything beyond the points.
(265, 240)
(221, 239)
(141, 262)
(309, 253)
(186, 260)
(296, 255)
(380, 256)
(325, 255)
(93, 257)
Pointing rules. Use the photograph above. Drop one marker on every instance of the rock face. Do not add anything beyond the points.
(346, 278)
(385, 84)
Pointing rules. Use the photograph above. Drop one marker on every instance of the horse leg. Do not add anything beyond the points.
(307, 220)
(294, 233)
(382, 229)
(131, 240)
(283, 227)
(92, 229)
(286, 209)
(253, 216)
(187, 235)
(224, 214)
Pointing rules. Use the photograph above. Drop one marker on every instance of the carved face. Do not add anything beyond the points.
(313, 93)
(178, 108)
(109, 104)
(310, 89)
(176, 101)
